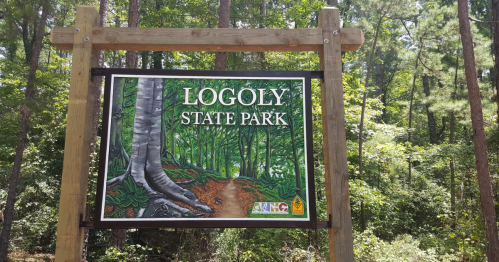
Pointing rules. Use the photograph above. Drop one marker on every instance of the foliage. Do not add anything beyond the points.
(287, 190)
(269, 181)
(127, 253)
(115, 168)
(204, 177)
(128, 195)
(184, 164)
(367, 247)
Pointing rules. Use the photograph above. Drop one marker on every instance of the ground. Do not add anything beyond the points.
(227, 197)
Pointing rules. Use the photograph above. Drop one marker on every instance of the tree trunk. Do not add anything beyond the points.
(451, 142)
(480, 145)
(378, 91)
(132, 57)
(361, 126)
(451, 166)
(23, 133)
(223, 22)
(364, 97)
(495, 17)
(264, 64)
(157, 57)
(409, 131)
(332, 2)
(145, 59)
(432, 124)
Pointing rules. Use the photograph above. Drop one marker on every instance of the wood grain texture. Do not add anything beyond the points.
(214, 40)
(78, 138)
(335, 150)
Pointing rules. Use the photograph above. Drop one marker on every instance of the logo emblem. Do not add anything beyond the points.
(297, 206)
(270, 208)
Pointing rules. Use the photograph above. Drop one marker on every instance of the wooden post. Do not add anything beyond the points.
(335, 149)
(78, 138)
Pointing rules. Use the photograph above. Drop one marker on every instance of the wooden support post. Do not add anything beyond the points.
(335, 149)
(78, 138)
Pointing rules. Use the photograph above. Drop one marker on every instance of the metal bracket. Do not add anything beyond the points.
(98, 71)
(317, 74)
(86, 224)
(324, 224)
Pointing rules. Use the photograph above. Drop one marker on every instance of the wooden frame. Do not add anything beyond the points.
(85, 39)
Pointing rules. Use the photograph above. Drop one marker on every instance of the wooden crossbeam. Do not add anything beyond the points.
(204, 39)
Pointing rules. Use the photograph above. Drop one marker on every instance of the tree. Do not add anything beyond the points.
(223, 22)
(495, 17)
(33, 48)
(480, 146)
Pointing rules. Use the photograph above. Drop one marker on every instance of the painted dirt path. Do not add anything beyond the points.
(231, 207)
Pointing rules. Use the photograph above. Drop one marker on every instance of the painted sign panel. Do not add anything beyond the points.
(206, 149)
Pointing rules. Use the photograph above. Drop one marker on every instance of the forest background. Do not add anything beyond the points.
(415, 197)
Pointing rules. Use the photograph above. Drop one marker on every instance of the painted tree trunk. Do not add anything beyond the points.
(295, 156)
(172, 128)
(257, 155)
(249, 150)
(212, 159)
(146, 167)
(116, 148)
(292, 132)
(227, 159)
(198, 129)
(267, 149)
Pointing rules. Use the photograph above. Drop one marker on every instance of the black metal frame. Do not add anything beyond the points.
(199, 222)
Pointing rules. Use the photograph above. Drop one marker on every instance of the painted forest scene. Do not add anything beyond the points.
(214, 148)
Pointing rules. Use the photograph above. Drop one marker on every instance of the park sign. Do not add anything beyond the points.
(206, 149)
(86, 38)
